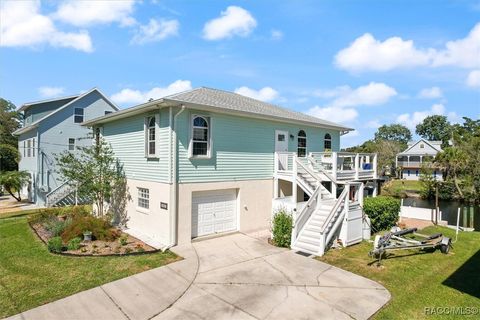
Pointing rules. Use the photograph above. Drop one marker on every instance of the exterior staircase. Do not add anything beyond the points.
(63, 195)
(324, 218)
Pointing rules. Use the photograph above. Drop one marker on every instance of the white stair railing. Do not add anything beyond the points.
(60, 193)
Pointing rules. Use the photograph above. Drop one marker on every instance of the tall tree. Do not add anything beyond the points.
(393, 132)
(435, 127)
(9, 158)
(9, 122)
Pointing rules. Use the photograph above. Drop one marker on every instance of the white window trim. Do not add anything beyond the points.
(142, 209)
(75, 115)
(306, 145)
(74, 144)
(157, 136)
(209, 139)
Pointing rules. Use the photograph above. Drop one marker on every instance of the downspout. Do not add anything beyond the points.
(173, 178)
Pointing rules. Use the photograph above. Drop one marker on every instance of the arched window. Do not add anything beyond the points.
(327, 142)
(200, 136)
(151, 136)
(302, 144)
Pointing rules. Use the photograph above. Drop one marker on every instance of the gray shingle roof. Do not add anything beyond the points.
(236, 102)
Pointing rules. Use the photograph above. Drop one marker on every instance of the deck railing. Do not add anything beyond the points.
(347, 166)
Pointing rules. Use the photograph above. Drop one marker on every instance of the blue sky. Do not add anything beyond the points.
(361, 63)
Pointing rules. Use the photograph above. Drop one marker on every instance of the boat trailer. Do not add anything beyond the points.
(396, 240)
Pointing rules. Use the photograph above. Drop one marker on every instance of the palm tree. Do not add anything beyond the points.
(454, 161)
(13, 181)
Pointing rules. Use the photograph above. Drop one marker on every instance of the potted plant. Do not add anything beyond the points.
(87, 235)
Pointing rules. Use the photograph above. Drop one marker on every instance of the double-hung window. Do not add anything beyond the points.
(78, 115)
(200, 141)
(143, 198)
(151, 137)
(29, 148)
(327, 142)
(302, 144)
(71, 144)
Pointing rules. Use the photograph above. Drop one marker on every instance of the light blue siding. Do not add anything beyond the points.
(243, 148)
(53, 135)
(127, 138)
(40, 110)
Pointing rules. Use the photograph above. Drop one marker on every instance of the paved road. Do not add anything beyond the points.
(231, 277)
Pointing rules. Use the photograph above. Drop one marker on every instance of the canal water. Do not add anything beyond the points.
(469, 214)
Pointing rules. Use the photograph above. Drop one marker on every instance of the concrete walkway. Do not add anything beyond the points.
(231, 277)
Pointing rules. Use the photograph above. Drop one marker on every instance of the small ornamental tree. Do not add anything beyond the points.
(94, 171)
(13, 181)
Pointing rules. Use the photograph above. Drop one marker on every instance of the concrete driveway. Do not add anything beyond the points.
(230, 277)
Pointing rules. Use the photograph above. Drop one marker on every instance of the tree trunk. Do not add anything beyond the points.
(19, 198)
(455, 181)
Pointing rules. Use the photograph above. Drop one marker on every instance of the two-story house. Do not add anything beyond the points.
(51, 127)
(207, 161)
(419, 153)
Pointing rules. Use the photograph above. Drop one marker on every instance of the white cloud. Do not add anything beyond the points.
(265, 94)
(276, 34)
(130, 96)
(430, 93)
(463, 53)
(156, 30)
(23, 26)
(50, 92)
(369, 95)
(410, 120)
(351, 134)
(473, 79)
(87, 13)
(235, 21)
(335, 114)
(369, 54)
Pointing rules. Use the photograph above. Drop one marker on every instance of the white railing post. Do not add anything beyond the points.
(275, 162)
(375, 170)
(357, 165)
(334, 165)
(294, 180)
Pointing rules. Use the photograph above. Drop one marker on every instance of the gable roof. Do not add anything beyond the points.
(223, 101)
(27, 105)
(435, 145)
(36, 123)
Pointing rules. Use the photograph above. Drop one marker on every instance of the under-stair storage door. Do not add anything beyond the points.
(214, 212)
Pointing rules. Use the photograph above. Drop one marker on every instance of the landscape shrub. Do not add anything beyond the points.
(123, 240)
(101, 229)
(56, 226)
(383, 212)
(282, 228)
(74, 244)
(55, 244)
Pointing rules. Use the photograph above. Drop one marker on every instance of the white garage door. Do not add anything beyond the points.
(214, 212)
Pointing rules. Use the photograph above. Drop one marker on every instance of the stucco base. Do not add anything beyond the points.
(152, 225)
(254, 200)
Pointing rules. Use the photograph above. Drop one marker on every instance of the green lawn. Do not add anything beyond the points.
(417, 281)
(31, 276)
(398, 187)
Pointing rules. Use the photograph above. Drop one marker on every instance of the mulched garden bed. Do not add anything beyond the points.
(62, 230)
(131, 245)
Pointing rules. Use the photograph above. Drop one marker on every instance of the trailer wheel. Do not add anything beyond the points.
(444, 248)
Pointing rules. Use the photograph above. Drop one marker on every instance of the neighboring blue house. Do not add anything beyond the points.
(208, 161)
(417, 155)
(50, 127)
